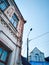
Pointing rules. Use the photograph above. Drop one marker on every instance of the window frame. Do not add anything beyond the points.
(14, 21)
(4, 49)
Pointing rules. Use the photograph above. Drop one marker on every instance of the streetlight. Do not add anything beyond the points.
(28, 43)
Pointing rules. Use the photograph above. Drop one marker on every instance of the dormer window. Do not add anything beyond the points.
(3, 4)
(14, 20)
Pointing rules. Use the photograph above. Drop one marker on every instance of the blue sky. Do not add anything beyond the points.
(36, 13)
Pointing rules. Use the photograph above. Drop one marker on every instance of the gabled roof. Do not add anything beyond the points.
(36, 49)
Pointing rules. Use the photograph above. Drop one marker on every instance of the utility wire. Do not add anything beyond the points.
(37, 37)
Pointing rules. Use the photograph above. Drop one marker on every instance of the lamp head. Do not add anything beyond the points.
(31, 29)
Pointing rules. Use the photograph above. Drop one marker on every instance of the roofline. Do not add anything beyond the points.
(38, 49)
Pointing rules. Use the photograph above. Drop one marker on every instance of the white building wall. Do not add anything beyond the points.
(8, 32)
(13, 43)
(9, 44)
(36, 55)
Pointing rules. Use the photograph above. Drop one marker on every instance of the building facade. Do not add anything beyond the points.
(11, 32)
(37, 55)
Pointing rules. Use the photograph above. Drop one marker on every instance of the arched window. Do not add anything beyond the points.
(37, 57)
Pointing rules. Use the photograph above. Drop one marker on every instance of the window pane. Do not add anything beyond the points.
(3, 4)
(12, 20)
(4, 56)
(1, 63)
(15, 24)
(0, 51)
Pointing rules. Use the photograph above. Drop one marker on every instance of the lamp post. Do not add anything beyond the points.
(28, 43)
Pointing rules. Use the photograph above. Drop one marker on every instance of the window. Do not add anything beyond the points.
(37, 57)
(14, 20)
(3, 4)
(3, 56)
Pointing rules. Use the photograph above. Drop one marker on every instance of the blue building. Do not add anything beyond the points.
(37, 57)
